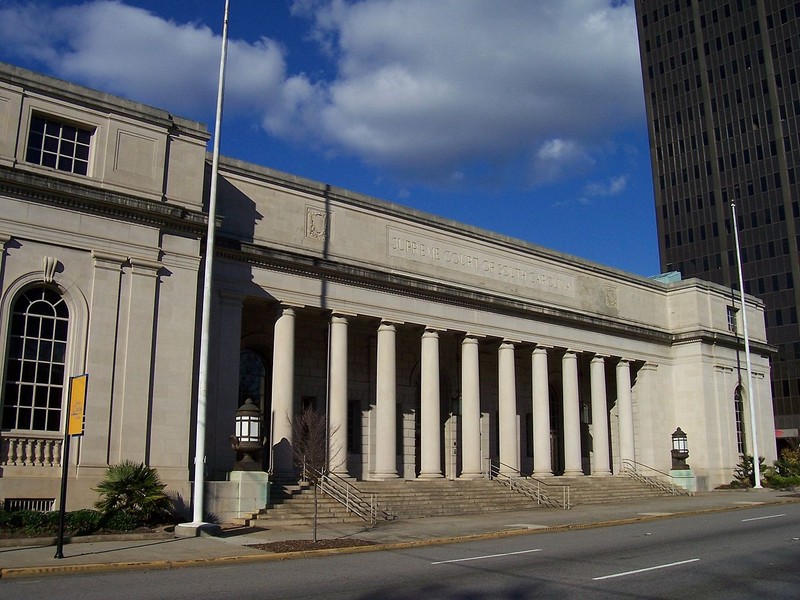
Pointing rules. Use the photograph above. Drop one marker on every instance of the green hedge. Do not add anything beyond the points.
(28, 523)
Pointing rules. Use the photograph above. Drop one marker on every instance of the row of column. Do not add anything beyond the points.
(385, 464)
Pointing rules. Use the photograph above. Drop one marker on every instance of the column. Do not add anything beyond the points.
(386, 404)
(430, 426)
(337, 377)
(572, 417)
(625, 409)
(600, 455)
(102, 343)
(542, 457)
(507, 398)
(471, 467)
(134, 397)
(282, 463)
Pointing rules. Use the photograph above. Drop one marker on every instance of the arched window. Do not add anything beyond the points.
(33, 390)
(738, 409)
(252, 377)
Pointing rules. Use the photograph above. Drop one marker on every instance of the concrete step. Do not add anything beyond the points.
(294, 504)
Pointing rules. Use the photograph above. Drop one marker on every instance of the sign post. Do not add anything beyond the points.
(76, 403)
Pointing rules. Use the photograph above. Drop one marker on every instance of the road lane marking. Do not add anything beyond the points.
(675, 564)
(762, 518)
(455, 560)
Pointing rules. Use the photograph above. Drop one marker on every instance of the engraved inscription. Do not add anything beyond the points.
(483, 264)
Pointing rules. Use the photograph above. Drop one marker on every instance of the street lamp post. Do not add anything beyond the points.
(750, 397)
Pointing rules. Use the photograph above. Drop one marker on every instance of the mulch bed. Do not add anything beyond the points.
(306, 545)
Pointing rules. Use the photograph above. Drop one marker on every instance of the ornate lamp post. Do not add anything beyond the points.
(248, 440)
(680, 450)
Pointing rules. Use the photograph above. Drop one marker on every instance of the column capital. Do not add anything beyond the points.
(286, 309)
(473, 336)
(430, 333)
(387, 325)
(509, 342)
(342, 314)
(434, 328)
(597, 357)
(541, 349)
(339, 318)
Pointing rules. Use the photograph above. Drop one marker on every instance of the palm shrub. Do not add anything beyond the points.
(135, 490)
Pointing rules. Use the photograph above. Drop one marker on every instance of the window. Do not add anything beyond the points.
(732, 312)
(58, 145)
(36, 358)
(252, 377)
(738, 409)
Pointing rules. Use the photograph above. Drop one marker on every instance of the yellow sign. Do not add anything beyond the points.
(77, 404)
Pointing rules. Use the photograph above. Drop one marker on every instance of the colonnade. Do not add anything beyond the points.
(385, 458)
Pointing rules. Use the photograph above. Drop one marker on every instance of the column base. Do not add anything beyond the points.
(542, 475)
(383, 476)
(475, 475)
(430, 476)
(601, 474)
(573, 474)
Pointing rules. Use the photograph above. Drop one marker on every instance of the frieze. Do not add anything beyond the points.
(409, 246)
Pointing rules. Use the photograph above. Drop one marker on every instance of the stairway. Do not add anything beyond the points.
(293, 504)
(604, 490)
(410, 499)
(429, 498)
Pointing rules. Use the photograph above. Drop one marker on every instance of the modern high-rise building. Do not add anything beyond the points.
(723, 108)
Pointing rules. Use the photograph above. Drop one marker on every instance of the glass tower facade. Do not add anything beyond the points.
(723, 108)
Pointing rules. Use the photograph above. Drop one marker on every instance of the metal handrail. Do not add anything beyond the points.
(543, 493)
(361, 504)
(652, 477)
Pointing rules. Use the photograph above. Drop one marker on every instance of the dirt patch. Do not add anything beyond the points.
(306, 545)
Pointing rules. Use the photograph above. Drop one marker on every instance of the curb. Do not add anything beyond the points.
(21, 572)
(85, 539)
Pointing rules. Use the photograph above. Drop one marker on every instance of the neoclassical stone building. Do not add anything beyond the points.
(433, 347)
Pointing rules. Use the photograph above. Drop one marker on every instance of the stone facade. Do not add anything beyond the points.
(434, 348)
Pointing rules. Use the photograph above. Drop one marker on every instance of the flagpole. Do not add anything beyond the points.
(205, 332)
(750, 397)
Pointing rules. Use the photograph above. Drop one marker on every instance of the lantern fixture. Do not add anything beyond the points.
(680, 450)
(248, 440)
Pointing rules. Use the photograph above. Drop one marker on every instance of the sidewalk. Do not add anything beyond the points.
(127, 552)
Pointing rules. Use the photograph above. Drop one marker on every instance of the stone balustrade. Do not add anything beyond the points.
(34, 450)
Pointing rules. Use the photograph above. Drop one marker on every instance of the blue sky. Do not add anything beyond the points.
(524, 117)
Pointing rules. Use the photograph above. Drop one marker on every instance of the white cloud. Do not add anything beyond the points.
(426, 88)
(613, 187)
(132, 52)
(558, 158)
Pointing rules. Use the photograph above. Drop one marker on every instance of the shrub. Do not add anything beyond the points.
(82, 522)
(744, 473)
(120, 521)
(135, 490)
(788, 465)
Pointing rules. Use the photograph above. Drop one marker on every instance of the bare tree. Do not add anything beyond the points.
(310, 447)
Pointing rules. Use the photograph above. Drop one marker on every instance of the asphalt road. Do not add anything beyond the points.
(752, 553)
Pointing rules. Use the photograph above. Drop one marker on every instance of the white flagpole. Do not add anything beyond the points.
(750, 397)
(202, 392)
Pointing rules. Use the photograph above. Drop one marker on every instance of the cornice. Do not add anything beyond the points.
(64, 194)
